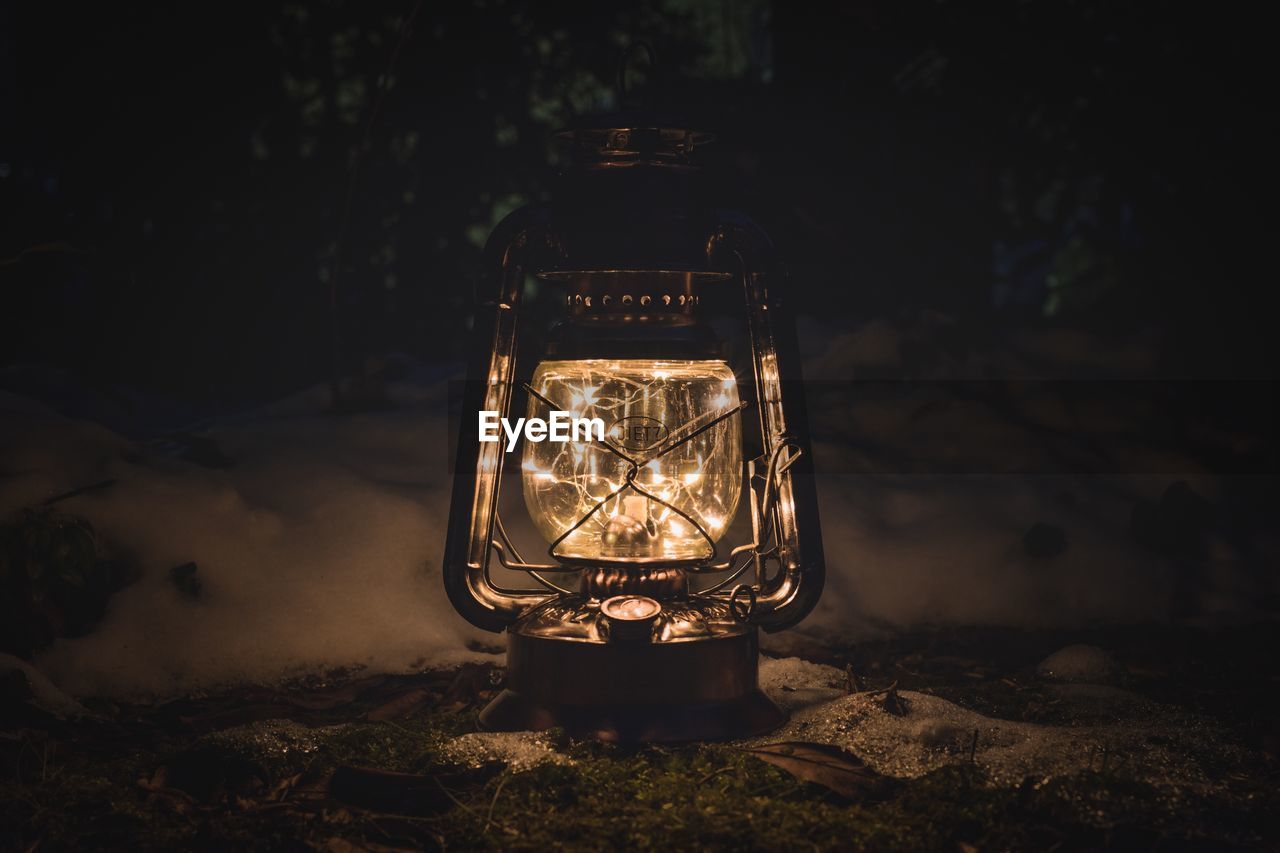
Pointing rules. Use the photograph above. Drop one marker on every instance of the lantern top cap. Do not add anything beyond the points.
(637, 134)
(633, 140)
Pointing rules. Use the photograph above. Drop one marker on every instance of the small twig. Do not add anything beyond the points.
(973, 748)
(852, 684)
(880, 691)
(459, 803)
(715, 773)
(489, 817)
(80, 491)
(774, 789)
(272, 807)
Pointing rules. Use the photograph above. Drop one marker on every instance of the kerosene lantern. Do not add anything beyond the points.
(644, 621)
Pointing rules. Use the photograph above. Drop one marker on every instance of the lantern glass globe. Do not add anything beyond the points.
(647, 406)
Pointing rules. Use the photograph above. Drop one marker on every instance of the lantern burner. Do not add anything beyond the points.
(662, 582)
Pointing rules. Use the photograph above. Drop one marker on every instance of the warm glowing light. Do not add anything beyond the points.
(531, 469)
(647, 406)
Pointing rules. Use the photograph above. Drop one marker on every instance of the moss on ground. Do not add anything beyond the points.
(607, 798)
(153, 779)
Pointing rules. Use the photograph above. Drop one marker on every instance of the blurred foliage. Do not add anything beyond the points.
(353, 82)
(228, 183)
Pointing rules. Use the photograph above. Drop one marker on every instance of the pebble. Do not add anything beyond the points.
(1080, 663)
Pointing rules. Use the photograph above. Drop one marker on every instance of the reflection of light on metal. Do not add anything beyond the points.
(630, 607)
(630, 617)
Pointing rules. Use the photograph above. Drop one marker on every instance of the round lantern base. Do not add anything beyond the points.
(746, 716)
(694, 679)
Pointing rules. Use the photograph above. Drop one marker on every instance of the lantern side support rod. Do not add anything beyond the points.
(740, 246)
(511, 251)
(504, 544)
(759, 511)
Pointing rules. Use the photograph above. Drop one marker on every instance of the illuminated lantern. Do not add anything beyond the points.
(680, 516)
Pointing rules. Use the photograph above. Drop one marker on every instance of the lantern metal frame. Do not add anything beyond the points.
(695, 676)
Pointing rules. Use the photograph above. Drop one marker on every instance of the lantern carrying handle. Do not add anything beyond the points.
(513, 248)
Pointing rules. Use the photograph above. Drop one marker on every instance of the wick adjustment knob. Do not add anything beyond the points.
(630, 617)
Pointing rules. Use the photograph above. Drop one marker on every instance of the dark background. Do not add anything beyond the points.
(215, 205)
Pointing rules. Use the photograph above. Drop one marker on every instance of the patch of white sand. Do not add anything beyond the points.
(1148, 741)
(320, 548)
(517, 750)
